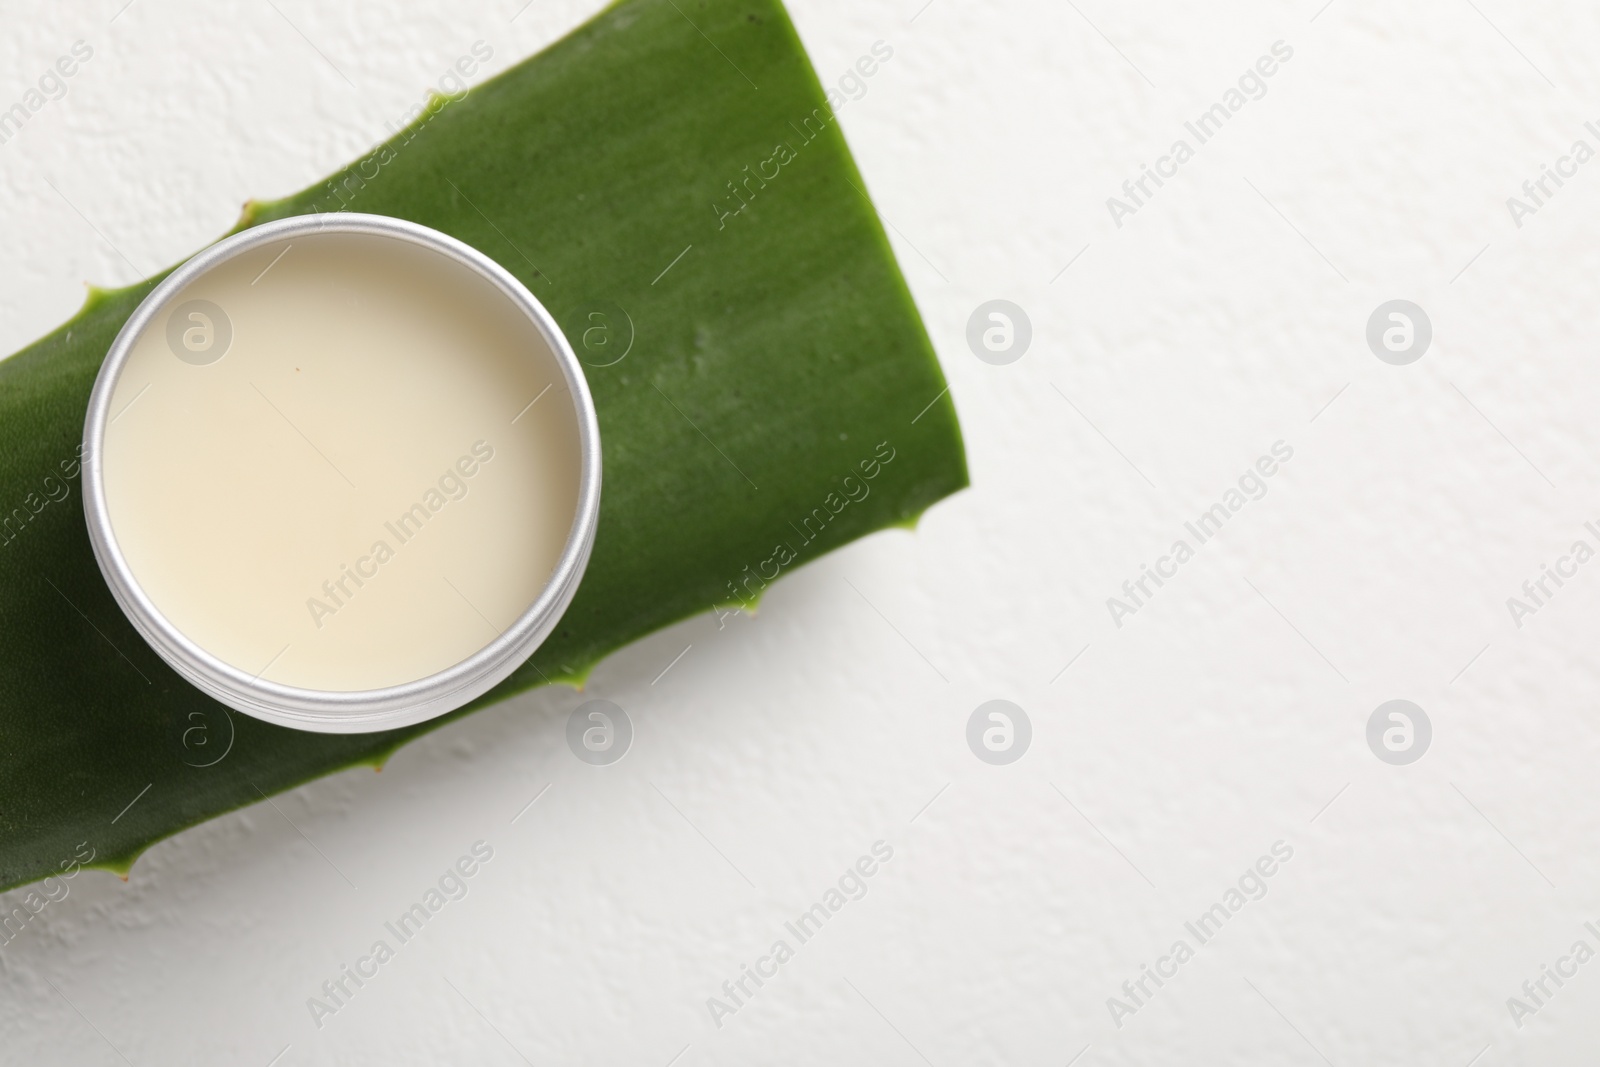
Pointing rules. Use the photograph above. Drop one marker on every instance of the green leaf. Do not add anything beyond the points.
(775, 348)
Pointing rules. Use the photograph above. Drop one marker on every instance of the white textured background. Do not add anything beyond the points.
(1227, 314)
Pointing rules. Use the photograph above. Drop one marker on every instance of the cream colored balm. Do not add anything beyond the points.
(341, 464)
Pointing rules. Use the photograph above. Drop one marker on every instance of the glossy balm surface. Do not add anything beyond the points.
(341, 462)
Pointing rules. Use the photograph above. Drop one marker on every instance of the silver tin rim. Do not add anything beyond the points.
(372, 709)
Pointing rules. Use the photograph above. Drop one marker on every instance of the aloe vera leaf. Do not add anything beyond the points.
(774, 349)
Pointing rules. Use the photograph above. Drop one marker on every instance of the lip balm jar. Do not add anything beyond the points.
(342, 472)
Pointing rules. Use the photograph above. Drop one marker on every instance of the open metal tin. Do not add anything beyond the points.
(342, 710)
